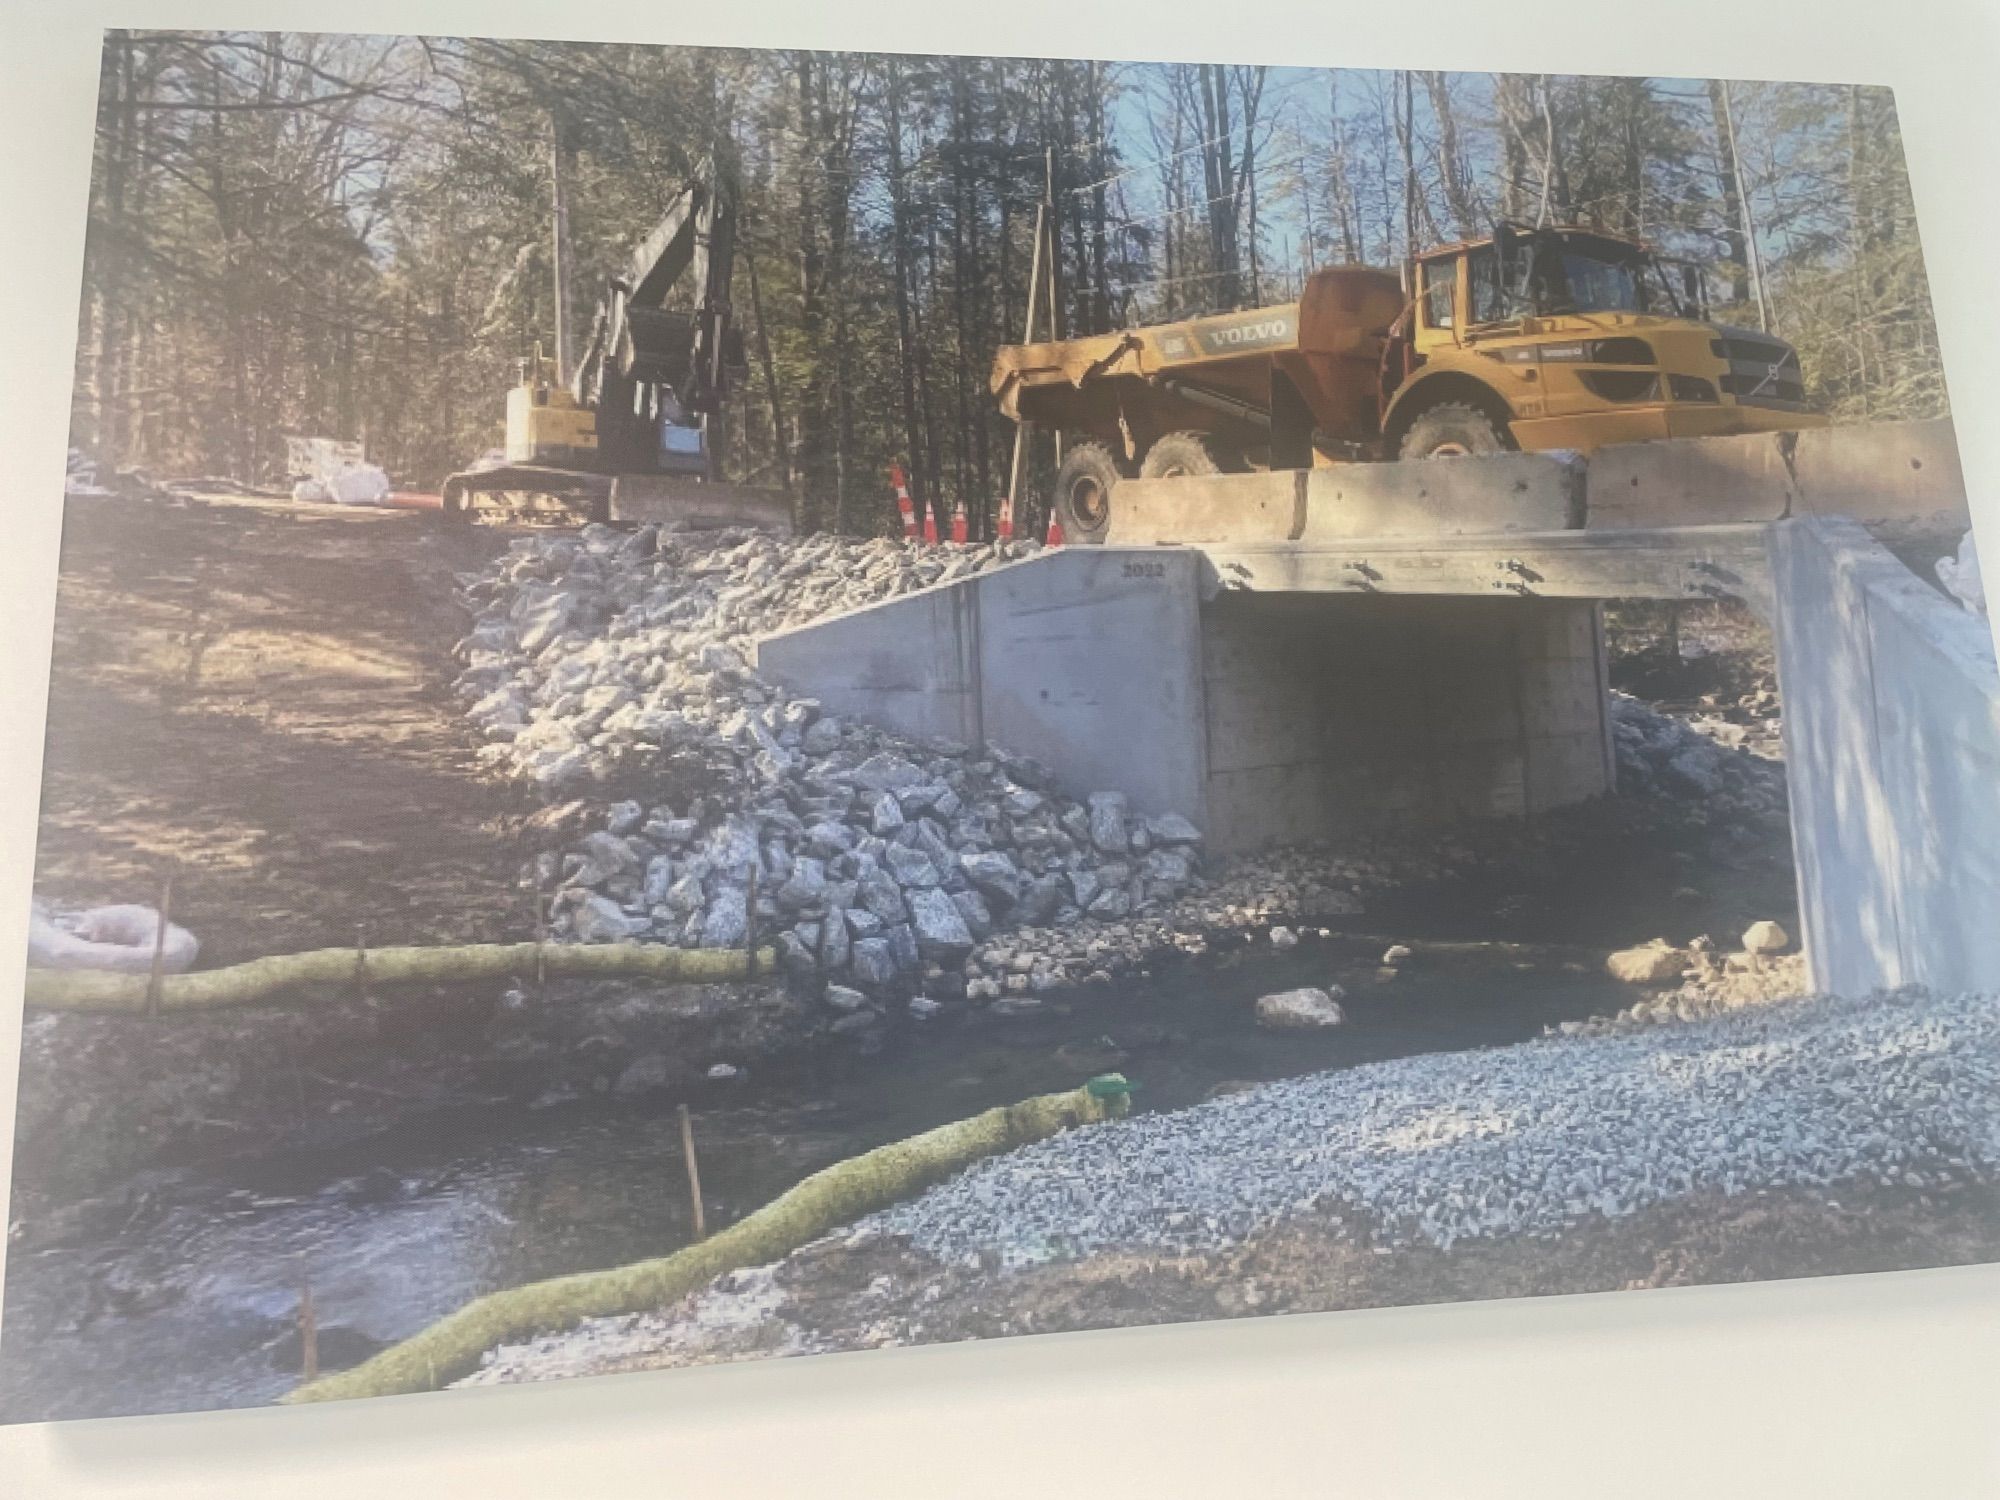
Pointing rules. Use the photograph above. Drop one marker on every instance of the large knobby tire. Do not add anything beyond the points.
(1185, 455)
(1452, 428)
(1083, 488)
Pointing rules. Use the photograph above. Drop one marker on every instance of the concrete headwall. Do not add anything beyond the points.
(1457, 496)
(1690, 482)
(1462, 496)
(1260, 507)
(1892, 739)
(1878, 471)
(1882, 471)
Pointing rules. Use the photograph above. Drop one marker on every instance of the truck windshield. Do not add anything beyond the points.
(1560, 271)
(1572, 280)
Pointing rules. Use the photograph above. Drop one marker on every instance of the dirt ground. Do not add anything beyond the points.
(841, 1294)
(251, 695)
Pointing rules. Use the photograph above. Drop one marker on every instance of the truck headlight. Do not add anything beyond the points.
(1691, 388)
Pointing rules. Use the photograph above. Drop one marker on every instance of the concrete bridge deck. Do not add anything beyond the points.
(1682, 563)
(1417, 643)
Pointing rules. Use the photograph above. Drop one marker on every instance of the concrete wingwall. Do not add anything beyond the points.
(1086, 658)
(1263, 718)
(1892, 741)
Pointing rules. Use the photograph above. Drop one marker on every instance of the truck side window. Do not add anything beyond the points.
(1482, 271)
(1440, 279)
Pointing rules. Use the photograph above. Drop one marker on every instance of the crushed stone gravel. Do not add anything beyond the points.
(1897, 1089)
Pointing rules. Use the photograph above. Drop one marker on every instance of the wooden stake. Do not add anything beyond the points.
(750, 925)
(541, 942)
(1050, 230)
(694, 1173)
(308, 1329)
(159, 969)
(1014, 470)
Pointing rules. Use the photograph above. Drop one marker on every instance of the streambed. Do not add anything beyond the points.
(183, 1292)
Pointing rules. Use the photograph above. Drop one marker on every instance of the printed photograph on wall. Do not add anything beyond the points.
(712, 704)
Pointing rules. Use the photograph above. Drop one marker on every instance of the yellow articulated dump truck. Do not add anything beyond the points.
(1533, 339)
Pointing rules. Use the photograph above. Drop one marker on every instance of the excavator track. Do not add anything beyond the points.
(527, 495)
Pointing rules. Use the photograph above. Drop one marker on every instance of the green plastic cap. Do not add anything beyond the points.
(1109, 1086)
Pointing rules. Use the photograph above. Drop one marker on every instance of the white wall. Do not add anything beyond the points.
(1892, 742)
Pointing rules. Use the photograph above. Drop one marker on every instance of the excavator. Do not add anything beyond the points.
(627, 438)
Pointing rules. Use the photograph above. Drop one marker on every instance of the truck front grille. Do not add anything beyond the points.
(1763, 387)
(1762, 372)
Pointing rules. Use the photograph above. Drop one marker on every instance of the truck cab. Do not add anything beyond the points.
(1572, 338)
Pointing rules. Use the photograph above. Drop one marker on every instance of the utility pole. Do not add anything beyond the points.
(1757, 286)
(1409, 166)
(1050, 220)
(559, 192)
(1041, 273)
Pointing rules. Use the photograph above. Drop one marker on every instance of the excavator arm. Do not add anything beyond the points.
(643, 359)
(630, 439)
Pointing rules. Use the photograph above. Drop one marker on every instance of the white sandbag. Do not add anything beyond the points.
(1960, 576)
(81, 476)
(118, 938)
(313, 490)
(359, 484)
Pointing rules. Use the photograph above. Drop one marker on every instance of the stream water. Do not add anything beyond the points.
(186, 1294)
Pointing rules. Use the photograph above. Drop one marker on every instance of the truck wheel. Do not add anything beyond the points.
(1083, 491)
(1453, 428)
(1183, 455)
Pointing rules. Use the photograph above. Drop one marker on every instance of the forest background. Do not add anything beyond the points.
(349, 236)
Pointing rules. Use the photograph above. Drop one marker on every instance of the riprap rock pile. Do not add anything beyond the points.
(602, 663)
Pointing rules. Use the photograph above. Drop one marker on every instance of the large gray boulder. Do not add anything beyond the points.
(885, 772)
(874, 963)
(993, 874)
(940, 929)
(1306, 1009)
(1107, 821)
(727, 922)
(599, 919)
(912, 868)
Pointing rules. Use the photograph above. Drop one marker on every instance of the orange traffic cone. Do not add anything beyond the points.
(958, 522)
(1004, 527)
(1055, 536)
(903, 505)
(930, 523)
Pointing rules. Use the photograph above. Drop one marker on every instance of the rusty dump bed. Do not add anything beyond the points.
(1130, 387)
